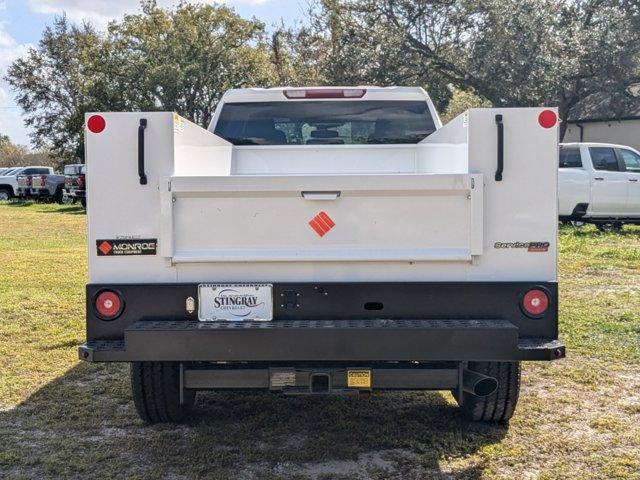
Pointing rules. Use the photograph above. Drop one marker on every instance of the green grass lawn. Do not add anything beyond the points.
(59, 418)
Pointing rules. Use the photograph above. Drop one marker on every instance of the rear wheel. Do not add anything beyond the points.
(501, 404)
(156, 392)
(4, 194)
(609, 226)
(59, 196)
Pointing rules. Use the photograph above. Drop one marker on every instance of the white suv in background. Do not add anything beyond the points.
(599, 183)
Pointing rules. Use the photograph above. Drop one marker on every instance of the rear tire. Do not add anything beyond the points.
(610, 226)
(501, 404)
(59, 197)
(5, 194)
(156, 392)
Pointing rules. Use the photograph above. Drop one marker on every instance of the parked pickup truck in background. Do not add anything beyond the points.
(24, 185)
(75, 183)
(323, 241)
(599, 183)
(9, 180)
(48, 187)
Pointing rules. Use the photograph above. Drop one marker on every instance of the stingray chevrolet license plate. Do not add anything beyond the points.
(235, 302)
(359, 378)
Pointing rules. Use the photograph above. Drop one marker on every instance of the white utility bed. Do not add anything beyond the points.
(425, 212)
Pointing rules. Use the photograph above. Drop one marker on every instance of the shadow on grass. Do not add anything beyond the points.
(67, 210)
(17, 203)
(67, 344)
(590, 231)
(47, 207)
(84, 423)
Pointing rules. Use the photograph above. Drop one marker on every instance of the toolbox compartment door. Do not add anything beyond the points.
(358, 218)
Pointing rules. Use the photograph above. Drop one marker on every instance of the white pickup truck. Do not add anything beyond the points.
(323, 240)
(599, 183)
(9, 180)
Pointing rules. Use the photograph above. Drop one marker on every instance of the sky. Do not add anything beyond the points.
(22, 22)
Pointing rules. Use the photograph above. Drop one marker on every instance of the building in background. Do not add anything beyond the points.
(595, 120)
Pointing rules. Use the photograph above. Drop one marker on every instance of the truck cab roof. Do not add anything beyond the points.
(596, 144)
(18, 170)
(364, 92)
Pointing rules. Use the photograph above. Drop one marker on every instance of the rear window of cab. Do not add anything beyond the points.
(325, 122)
(570, 157)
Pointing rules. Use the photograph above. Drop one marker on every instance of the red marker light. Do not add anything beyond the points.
(96, 123)
(548, 119)
(535, 302)
(108, 305)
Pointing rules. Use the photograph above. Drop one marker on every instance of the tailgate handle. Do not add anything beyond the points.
(141, 174)
(500, 126)
(320, 195)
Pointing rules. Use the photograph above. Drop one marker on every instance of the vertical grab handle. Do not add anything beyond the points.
(141, 174)
(500, 126)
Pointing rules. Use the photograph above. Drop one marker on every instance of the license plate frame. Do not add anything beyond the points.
(235, 302)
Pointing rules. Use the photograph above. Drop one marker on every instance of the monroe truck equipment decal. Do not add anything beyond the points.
(127, 247)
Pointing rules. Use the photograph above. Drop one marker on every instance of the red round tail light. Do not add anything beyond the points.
(535, 302)
(109, 305)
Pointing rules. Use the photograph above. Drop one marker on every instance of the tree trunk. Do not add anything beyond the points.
(563, 113)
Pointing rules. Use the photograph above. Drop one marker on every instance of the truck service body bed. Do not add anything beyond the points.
(403, 261)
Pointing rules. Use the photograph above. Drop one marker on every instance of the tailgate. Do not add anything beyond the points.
(341, 218)
(23, 181)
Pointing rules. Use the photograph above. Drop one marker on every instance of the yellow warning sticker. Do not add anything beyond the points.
(359, 378)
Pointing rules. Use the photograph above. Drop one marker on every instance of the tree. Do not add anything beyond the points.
(461, 101)
(184, 59)
(11, 155)
(178, 60)
(514, 52)
(51, 86)
(340, 46)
